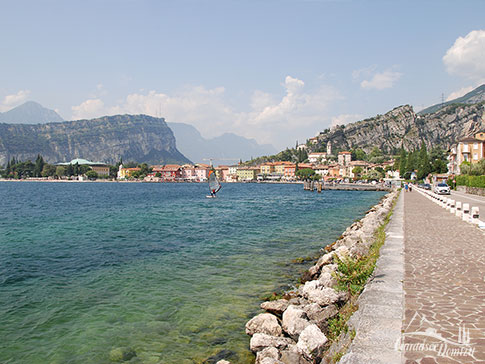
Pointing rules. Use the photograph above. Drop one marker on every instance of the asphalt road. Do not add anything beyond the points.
(473, 200)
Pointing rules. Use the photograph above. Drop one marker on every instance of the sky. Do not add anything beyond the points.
(278, 71)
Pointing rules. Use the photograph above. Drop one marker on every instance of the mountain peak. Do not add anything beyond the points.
(30, 112)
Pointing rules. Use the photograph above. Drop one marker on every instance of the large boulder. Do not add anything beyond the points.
(323, 260)
(294, 321)
(326, 279)
(267, 353)
(265, 323)
(311, 342)
(324, 296)
(276, 307)
(319, 315)
(291, 355)
(261, 341)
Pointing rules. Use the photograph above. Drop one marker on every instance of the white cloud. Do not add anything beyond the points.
(269, 118)
(381, 81)
(466, 56)
(459, 93)
(11, 101)
(88, 109)
(345, 119)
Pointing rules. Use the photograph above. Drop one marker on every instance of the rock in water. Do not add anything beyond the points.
(121, 354)
(276, 307)
(222, 355)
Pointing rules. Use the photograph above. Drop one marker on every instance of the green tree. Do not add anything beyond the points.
(69, 170)
(402, 162)
(358, 155)
(61, 171)
(357, 171)
(92, 174)
(39, 165)
(411, 162)
(305, 173)
(144, 169)
(424, 167)
(48, 171)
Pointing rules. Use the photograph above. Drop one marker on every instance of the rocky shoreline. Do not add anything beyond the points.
(299, 328)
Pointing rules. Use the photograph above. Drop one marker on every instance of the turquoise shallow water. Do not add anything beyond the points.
(86, 268)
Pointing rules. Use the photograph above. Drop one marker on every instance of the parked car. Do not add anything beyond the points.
(442, 189)
(427, 186)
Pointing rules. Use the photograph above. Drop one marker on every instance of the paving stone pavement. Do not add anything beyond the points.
(444, 286)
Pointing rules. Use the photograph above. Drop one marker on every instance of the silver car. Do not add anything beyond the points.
(442, 189)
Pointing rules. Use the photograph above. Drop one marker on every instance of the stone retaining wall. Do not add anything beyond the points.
(472, 190)
(294, 330)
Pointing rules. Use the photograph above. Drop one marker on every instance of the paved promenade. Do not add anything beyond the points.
(444, 286)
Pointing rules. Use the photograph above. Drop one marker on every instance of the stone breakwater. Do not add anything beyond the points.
(294, 330)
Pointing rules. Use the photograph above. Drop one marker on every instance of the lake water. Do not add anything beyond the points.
(86, 268)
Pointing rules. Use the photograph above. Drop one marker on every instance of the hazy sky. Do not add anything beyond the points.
(276, 71)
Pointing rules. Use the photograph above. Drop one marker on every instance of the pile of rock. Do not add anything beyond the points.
(294, 330)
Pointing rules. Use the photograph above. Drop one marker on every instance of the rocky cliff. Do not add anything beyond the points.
(139, 138)
(403, 127)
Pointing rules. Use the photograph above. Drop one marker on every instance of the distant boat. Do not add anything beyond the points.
(214, 184)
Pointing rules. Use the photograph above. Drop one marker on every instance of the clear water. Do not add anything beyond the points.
(86, 268)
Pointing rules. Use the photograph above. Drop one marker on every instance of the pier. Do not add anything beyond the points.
(322, 186)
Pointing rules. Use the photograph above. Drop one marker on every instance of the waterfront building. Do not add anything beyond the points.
(168, 172)
(317, 157)
(125, 173)
(321, 169)
(267, 168)
(101, 169)
(202, 171)
(222, 172)
(290, 171)
(188, 173)
(279, 167)
(366, 166)
(247, 173)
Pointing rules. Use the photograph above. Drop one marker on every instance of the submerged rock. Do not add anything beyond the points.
(222, 355)
(121, 354)
(265, 323)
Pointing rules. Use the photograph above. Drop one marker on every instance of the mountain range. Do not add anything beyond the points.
(439, 126)
(107, 139)
(30, 112)
(227, 148)
(473, 97)
(224, 149)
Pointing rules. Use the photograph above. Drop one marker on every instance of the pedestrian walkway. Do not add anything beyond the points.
(444, 286)
(378, 321)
